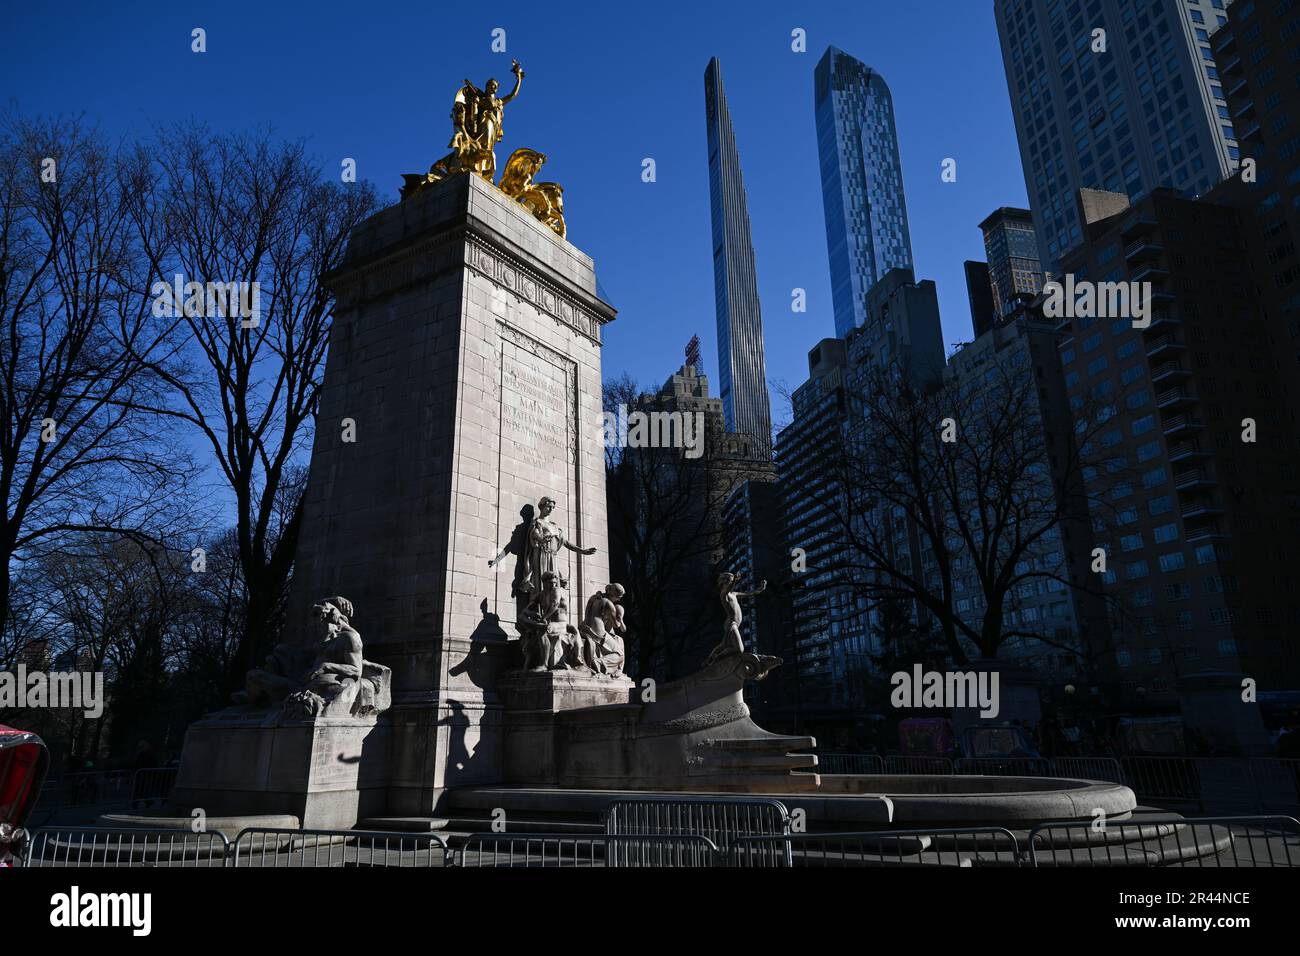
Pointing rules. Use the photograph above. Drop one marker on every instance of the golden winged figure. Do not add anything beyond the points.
(477, 123)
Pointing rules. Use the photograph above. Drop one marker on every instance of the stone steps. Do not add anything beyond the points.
(773, 743)
(404, 824)
(757, 760)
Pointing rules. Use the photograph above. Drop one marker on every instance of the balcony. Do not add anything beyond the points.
(1163, 321)
(1235, 87)
(1177, 397)
(1223, 42)
(1150, 273)
(1195, 479)
(1143, 249)
(1187, 451)
(1227, 66)
(1251, 131)
(1182, 425)
(1243, 111)
(1209, 530)
(1166, 345)
(1167, 371)
(1139, 225)
(1195, 510)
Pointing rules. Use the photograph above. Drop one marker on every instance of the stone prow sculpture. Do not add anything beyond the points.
(696, 734)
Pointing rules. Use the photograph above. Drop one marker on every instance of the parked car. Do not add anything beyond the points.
(23, 764)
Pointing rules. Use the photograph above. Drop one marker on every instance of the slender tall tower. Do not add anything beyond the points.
(742, 372)
(862, 183)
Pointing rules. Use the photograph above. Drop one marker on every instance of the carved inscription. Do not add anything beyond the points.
(534, 407)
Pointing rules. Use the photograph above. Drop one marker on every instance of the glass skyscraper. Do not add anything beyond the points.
(862, 183)
(742, 372)
(1148, 110)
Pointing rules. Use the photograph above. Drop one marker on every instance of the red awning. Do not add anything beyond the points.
(23, 762)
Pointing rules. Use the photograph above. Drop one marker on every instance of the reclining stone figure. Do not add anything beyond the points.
(329, 679)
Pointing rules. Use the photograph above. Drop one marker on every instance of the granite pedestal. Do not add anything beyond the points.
(465, 356)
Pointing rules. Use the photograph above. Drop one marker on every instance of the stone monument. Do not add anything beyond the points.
(463, 381)
(463, 378)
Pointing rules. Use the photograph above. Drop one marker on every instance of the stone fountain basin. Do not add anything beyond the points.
(845, 802)
(970, 799)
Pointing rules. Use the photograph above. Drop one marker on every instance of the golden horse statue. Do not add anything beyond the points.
(543, 200)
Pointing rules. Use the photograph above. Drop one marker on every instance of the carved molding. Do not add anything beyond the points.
(366, 282)
(529, 286)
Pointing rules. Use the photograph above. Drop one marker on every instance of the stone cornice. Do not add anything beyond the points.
(483, 250)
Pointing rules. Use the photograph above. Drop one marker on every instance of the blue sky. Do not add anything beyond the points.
(607, 86)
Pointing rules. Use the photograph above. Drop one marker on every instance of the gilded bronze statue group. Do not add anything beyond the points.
(477, 119)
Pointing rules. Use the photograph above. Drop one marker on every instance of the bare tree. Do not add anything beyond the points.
(934, 488)
(247, 211)
(77, 452)
(666, 538)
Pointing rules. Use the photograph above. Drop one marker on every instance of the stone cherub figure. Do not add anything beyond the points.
(731, 642)
(550, 642)
(328, 678)
(602, 632)
(548, 639)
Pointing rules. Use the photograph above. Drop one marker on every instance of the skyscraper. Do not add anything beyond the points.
(862, 183)
(1015, 273)
(1201, 536)
(742, 372)
(1259, 54)
(825, 618)
(979, 290)
(1115, 95)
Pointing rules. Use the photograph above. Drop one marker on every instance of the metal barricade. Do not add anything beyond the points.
(1088, 768)
(152, 786)
(917, 764)
(850, 763)
(968, 847)
(109, 847)
(1168, 841)
(721, 819)
(1277, 783)
(311, 849)
(97, 788)
(1164, 778)
(1003, 766)
(514, 850)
